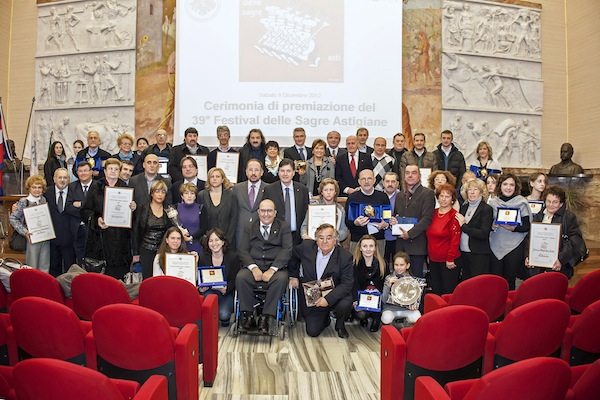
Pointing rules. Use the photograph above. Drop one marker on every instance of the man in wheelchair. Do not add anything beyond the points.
(264, 252)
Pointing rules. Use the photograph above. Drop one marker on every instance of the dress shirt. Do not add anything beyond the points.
(321, 262)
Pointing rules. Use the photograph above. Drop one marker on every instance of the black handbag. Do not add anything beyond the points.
(17, 242)
(93, 265)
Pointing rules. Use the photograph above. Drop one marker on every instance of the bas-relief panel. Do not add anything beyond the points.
(492, 87)
(85, 73)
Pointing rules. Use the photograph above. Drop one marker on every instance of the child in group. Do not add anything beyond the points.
(369, 272)
(391, 310)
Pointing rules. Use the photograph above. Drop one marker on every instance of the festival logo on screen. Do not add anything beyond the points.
(291, 41)
(202, 10)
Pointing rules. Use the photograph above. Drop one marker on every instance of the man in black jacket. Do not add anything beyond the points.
(449, 158)
(190, 146)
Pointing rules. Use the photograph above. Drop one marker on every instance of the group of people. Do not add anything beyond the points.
(395, 220)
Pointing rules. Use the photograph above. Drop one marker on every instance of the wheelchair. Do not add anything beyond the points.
(287, 311)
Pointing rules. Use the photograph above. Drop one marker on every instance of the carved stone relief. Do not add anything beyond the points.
(492, 87)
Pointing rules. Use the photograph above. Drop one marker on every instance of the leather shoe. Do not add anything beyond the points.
(375, 325)
(342, 332)
(247, 322)
(364, 323)
(263, 323)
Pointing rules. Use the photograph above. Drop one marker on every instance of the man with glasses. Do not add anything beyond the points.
(264, 252)
(322, 259)
(141, 182)
(189, 170)
(161, 148)
(248, 194)
(223, 136)
(93, 155)
(358, 201)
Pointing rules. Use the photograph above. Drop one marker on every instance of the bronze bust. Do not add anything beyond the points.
(566, 166)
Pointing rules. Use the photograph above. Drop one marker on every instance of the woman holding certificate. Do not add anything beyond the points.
(329, 191)
(103, 242)
(369, 275)
(172, 243)
(318, 168)
(570, 237)
(443, 238)
(509, 229)
(37, 255)
(149, 227)
(217, 254)
(219, 203)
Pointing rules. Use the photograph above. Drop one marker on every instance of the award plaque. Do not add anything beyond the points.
(544, 244)
(369, 300)
(535, 206)
(508, 216)
(314, 290)
(211, 276)
(406, 291)
(375, 212)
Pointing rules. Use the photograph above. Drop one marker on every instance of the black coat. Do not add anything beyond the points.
(223, 216)
(177, 153)
(456, 162)
(96, 161)
(479, 227)
(342, 170)
(140, 223)
(60, 221)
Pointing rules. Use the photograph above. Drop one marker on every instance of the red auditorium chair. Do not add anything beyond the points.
(32, 282)
(134, 343)
(44, 328)
(486, 292)
(4, 324)
(49, 379)
(584, 293)
(92, 291)
(585, 382)
(6, 383)
(447, 344)
(536, 329)
(550, 285)
(166, 295)
(541, 378)
(583, 346)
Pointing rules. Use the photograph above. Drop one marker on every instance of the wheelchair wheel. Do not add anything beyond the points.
(292, 310)
(281, 332)
(236, 312)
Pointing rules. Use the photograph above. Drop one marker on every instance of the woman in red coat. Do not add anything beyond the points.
(443, 239)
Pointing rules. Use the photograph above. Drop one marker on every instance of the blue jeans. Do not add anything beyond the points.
(225, 304)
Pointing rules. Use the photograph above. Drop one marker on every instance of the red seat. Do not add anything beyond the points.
(134, 343)
(4, 324)
(539, 378)
(487, 292)
(584, 344)
(6, 383)
(58, 380)
(584, 293)
(585, 382)
(166, 294)
(32, 282)
(448, 344)
(549, 285)
(92, 291)
(44, 328)
(536, 329)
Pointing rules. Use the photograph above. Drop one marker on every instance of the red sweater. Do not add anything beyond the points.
(443, 237)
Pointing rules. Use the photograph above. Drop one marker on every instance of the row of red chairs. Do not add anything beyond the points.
(61, 380)
(458, 342)
(540, 378)
(490, 293)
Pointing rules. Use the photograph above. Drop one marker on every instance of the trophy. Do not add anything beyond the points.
(300, 166)
(369, 211)
(173, 215)
(406, 291)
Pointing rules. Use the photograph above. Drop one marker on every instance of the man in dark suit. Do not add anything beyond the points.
(298, 151)
(415, 201)
(362, 134)
(141, 182)
(290, 198)
(349, 165)
(248, 194)
(190, 146)
(333, 145)
(323, 259)
(62, 253)
(78, 191)
(265, 251)
(189, 169)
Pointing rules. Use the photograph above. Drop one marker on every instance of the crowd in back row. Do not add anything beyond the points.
(451, 224)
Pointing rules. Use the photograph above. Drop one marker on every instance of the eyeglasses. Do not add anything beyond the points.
(266, 211)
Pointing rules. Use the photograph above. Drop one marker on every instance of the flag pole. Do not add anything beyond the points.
(25, 144)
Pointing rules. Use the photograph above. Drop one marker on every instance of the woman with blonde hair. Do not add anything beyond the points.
(369, 274)
(219, 204)
(36, 255)
(485, 164)
(126, 152)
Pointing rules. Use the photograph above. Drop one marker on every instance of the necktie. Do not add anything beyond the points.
(333, 153)
(352, 166)
(288, 206)
(61, 202)
(85, 190)
(252, 195)
(266, 232)
(301, 151)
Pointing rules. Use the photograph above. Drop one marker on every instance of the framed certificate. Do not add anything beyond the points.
(209, 276)
(116, 212)
(536, 206)
(508, 216)
(181, 266)
(163, 166)
(425, 172)
(369, 301)
(544, 243)
(319, 214)
(202, 167)
(229, 163)
(39, 223)
(406, 223)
